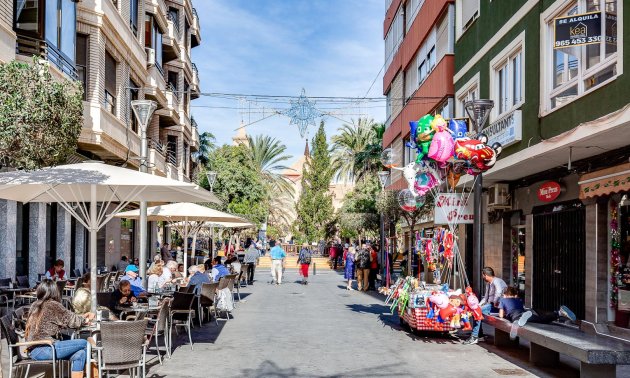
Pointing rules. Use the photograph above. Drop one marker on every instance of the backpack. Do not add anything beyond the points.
(363, 259)
(305, 257)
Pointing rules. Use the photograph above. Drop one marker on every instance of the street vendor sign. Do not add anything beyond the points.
(577, 30)
(452, 208)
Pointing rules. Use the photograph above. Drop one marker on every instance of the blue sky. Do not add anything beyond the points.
(278, 47)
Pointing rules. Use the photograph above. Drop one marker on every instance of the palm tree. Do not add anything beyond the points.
(206, 145)
(267, 154)
(350, 155)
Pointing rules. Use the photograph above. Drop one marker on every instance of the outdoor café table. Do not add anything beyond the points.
(14, 291)
(137, 309)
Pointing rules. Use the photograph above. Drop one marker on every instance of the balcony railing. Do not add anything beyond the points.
(171, 158)
(195, 74)
(157, 146)
(32, 46)
(175, 22)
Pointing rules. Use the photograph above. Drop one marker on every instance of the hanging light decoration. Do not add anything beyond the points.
(302, 113)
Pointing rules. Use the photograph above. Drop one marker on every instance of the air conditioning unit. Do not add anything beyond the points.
(499, 196)
(150, 56)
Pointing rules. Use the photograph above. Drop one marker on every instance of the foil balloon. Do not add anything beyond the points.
(478, 155)
(423, 137)
(409, 173)
(406, 200)
(425, 181)
(413, 128)
(458, 128)
(452, 176)
(441, 148)
(388, 158)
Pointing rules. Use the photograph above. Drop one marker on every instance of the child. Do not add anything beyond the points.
(511, 308)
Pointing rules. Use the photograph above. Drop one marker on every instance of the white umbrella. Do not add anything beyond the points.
(186, 218)
(212, 225)
(73, 185)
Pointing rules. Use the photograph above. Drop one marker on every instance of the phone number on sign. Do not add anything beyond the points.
(578, 41)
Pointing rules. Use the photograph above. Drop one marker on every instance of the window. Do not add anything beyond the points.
(411, 11)
(81, 61)
(427, 57)
(394, 37)
(172, 82)
(173, 15)
(133, 16)
(388, 107)
(468, 92)
(507, 78)
(110, 83)
(28, 17)
(409, 154)
(445, 109)
(171, 149)
(153, 38)
(570, 72)
(60, 30)
(467, 11)
(186, 97)
(134, 94)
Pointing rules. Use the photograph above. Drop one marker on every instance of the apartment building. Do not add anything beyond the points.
(419, 67)
(121, 50)
(556, 212)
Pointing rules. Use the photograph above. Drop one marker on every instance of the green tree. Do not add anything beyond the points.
(314, 208)
(267, 154)
(357, 148)
(358, 216)
(40, 117)
(206, 146)
(238, 185)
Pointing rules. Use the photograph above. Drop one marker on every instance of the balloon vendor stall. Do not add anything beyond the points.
(445, 151)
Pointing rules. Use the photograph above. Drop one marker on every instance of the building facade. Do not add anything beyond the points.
(419, 67)
(121, 50)
(554, 70)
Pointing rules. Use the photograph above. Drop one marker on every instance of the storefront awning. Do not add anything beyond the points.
(605, 181)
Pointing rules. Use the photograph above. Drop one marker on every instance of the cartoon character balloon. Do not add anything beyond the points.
(423, 136)
(480, 156)
(458, 128)
(441, 148)
(441, 301)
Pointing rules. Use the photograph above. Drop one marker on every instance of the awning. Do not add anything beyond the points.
(605, 181)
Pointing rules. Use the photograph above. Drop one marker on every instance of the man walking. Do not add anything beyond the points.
(490, 301)
(363, 268)
(304, 261)
(277, 255)
(250, 261)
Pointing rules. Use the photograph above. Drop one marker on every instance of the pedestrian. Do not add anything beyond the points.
(251, 260)
(373, 267)
(490, 301)
(304, 261)
(278, 256)
(348, 273)
(165, 253)
(333, 255)
(363, 268)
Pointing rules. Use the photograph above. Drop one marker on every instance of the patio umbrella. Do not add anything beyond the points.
(212, 225)
(187, 218)
(75, 185)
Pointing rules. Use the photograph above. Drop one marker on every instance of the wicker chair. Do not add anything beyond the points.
(100, 282)
(22, 281)
(18, 359)
(77, 273)
(181, 311)
(207, 299)
(122, 346)
(158, 327)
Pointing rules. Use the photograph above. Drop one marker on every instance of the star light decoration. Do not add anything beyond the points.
(302, 113)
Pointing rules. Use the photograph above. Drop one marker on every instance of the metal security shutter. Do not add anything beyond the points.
(559, 259)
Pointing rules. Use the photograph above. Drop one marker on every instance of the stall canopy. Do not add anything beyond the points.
(79, 187)
(605, 181)
(186, 218)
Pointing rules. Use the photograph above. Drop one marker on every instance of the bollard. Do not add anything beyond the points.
(314, 269)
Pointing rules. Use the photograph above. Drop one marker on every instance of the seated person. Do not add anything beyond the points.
(156, 277)
(180, 271)
(82, 300)
(56, 272)
(131, 275)
(511, 308)
(122, 264)
(234, 265)
(197, 278)
(46, 319)
(207, 266)
(218, 270)
(122, 297)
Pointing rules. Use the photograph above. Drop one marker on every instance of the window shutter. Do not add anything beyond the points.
(469, 8)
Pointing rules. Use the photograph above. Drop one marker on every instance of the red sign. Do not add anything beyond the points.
(549, 191)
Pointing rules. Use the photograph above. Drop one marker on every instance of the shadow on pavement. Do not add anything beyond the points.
(368, 309)
(270, 369)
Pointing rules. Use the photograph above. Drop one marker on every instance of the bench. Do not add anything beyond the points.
(598, 355)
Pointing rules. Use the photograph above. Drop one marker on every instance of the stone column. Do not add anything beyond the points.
(64, 237)
(596, 274)
(8, 242)
(153, 237)
(36, 241)
(79, 247)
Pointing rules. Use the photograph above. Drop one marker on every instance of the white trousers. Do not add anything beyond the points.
(276, 270)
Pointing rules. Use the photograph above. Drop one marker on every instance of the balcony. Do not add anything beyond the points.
(194, 141)
(35, 47)
(159, 11)
(194, 84)
(157, 158)
(195, 37)
(107, 136)
(172, 171)
(156, 87)
(170, 114)
(170, 42)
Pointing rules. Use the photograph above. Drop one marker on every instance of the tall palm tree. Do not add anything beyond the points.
(267, 154)
(349, 146)
(206, 145)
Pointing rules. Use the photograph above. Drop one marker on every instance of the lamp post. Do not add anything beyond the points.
(143, 110)
(478, 112)
(383, 176)
(212, 177)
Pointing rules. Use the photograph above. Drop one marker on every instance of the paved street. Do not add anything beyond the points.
(322, 330)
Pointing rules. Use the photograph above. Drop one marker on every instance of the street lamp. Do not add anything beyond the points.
(478, 112)
(143, 110)
(212, 177)
(383, 177)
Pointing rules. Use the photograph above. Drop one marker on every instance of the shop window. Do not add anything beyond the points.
(574, 70)
(110, 83)
(507, 78)
(518, 260)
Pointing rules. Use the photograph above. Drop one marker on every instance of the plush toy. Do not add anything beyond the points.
(441, 148)
(473, 304)
(448, 246)
(456, 302)
(465, 321)
(423, 137)
(446, 310)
